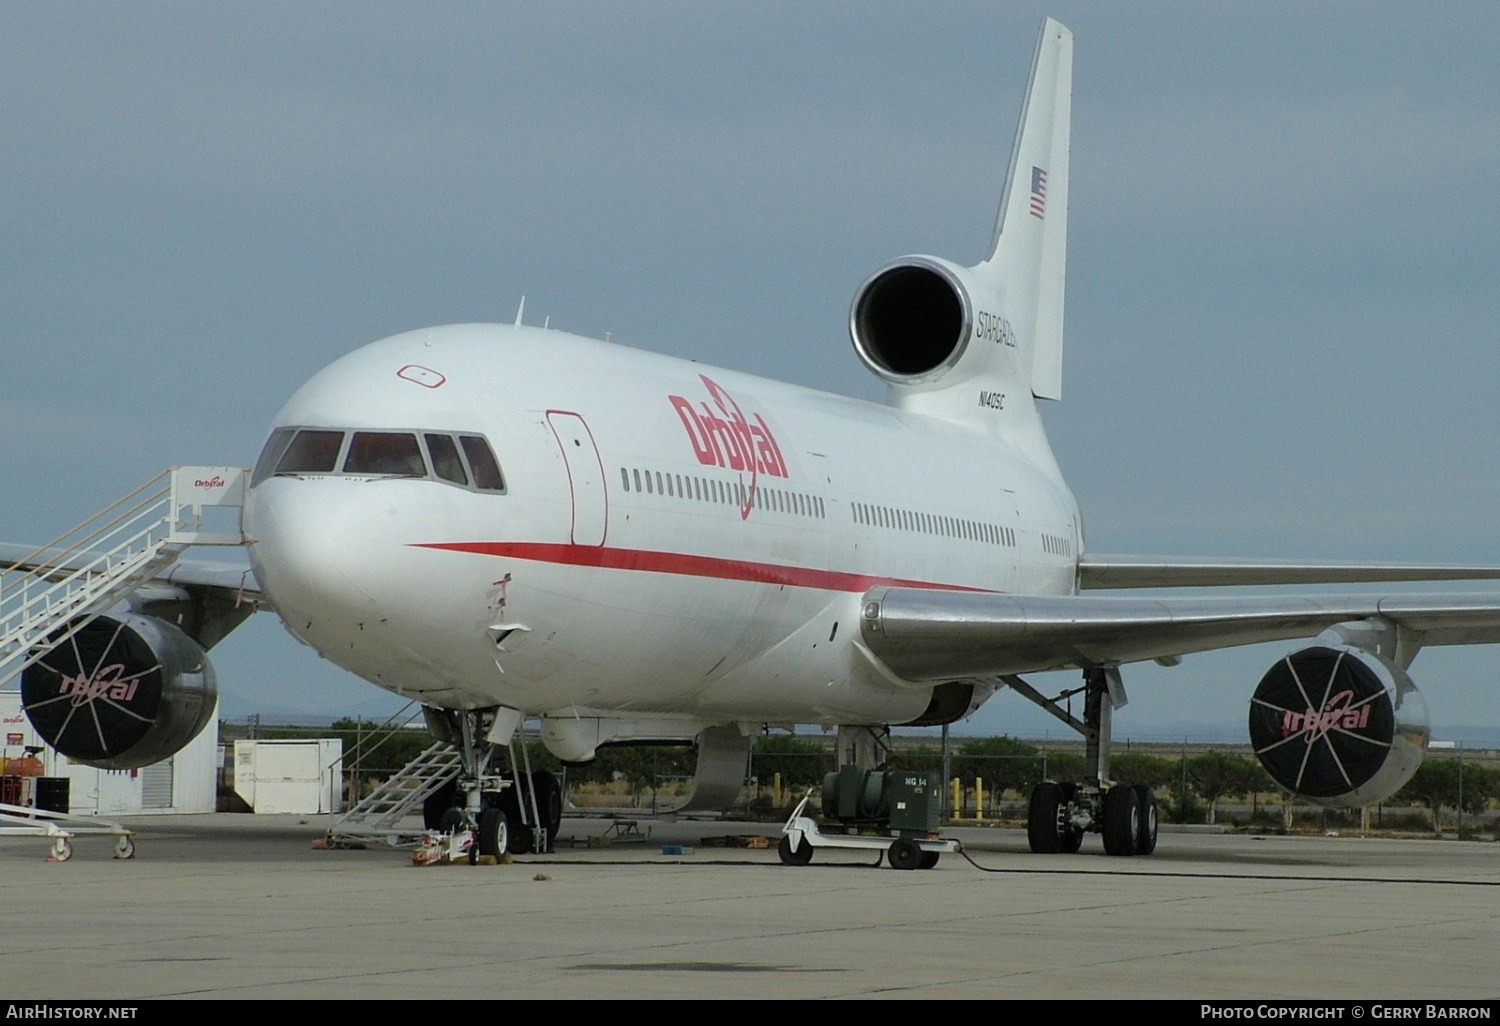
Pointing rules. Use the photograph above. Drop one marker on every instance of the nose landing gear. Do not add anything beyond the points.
(493, 812)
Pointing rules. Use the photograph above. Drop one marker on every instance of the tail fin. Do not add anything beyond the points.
(1028, 256)
(975, 344)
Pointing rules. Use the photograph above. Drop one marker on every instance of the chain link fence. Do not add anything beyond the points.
(1455, 792)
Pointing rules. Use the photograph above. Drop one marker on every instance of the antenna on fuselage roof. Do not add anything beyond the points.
(520, 310)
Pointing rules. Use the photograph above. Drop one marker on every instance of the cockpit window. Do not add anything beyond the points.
(275, 448)
(312, 452)
(446, 462)
(380, 452)
(463, 460)
(482, 462)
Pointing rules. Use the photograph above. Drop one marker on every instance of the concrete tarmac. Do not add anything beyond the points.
(241, 906)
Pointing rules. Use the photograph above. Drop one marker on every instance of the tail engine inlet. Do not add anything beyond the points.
(912, 319)
(126, 691)
(1338, 725)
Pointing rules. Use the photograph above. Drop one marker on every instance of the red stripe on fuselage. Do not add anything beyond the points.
(688, 565)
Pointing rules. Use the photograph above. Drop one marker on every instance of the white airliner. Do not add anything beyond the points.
(510, 523)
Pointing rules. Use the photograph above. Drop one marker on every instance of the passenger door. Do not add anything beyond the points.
(585, 476)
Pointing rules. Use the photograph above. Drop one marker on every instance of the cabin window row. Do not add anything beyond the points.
(1057, 546)
(719, 492)
(932, 523)
(463, 460)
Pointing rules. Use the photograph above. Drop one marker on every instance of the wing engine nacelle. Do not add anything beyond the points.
(913, 319)
(125, 691)
(1338, 725)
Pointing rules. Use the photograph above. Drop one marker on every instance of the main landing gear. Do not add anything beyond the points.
(489, 812)
(1061, 813)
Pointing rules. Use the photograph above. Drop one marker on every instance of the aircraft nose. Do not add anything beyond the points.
(315, 551)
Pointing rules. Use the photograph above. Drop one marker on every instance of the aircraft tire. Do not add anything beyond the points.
(549, 803)
(1043, 831)
(494, 834)
(516, 801)
(1122, 820)
(1145, 842)
(522, 837)
(798, 856)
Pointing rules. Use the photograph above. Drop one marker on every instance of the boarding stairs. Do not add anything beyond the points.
(49, 595)
(382, 816)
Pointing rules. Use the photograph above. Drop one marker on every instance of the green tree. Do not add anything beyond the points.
(372, 749)
(1005, 764)
(640, 765)
(1440, 783)
(923, 758)
(1215, 775)
(1062, 766)
(801, 761)
(375, 750)
(1481, 786)
(1137, 768)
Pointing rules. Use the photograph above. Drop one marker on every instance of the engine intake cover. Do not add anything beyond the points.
(124, 692)
(1338, 725)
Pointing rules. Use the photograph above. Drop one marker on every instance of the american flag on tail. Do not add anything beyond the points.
(1038, 192)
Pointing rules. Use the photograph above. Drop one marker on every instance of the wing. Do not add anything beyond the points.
(1105, 571)
(924, 635)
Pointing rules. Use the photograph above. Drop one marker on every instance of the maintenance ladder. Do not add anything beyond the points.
(378, 816)
(57, 590)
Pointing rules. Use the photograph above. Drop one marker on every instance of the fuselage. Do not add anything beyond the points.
(663, 537)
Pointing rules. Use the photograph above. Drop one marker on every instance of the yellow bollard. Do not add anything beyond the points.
(776, 791)
(978, 797)
(958, 799)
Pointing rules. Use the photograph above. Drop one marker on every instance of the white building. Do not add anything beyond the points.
(187, 782)
(290, 776)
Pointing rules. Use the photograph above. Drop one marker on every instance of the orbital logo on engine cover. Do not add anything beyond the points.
(95, 693)
(109, 682)
(1339, 712)
(1322, 722)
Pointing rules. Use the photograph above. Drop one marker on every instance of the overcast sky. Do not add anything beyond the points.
(1282, 298)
